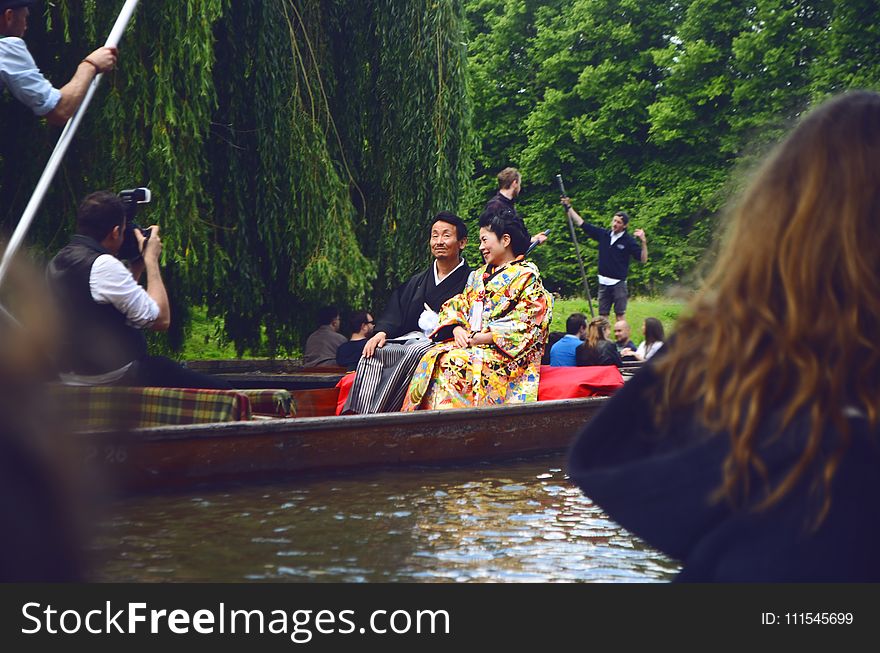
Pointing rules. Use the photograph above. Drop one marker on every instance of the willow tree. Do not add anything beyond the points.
(296, 148)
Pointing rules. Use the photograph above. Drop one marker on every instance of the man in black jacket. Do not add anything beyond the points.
(413, 306)
(392, 354)
(616, 247)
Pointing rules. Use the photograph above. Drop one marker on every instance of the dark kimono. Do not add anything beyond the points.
(382, 380)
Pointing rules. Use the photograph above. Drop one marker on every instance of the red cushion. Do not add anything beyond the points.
(555, 383)
(573, 382)
(344, 386)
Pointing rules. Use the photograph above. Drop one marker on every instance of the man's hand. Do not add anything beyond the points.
(377, 341)
(103, 59)
(566, 202)
(462, 337)
(539, 238)
(151, 248)
(640, 234)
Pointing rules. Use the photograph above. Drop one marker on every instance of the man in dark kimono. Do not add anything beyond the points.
(400, 337)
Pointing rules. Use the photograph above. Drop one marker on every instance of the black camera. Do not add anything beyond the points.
(132, 198)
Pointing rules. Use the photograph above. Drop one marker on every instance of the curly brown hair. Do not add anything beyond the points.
(790, 313)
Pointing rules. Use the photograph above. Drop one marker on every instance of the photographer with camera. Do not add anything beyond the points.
(104, 308)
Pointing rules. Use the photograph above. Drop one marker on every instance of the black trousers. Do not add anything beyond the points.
(161, 372)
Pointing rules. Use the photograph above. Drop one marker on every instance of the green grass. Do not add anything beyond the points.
(638, 308)
(204, 342)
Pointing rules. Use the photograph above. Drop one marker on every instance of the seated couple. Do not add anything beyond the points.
(485, 341)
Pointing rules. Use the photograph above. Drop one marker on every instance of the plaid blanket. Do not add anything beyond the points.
(112, 407)
(277, 403)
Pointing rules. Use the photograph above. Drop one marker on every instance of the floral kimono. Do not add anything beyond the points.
(510, 303)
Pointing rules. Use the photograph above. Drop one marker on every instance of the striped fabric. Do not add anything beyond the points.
(113, 407)
(382, 381)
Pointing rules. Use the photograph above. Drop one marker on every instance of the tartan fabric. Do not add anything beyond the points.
(278, 403)
(115, 407)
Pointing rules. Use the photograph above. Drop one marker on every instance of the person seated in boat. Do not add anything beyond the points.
(400, 335)
(361, 327)
(492, 334)
(597, 349)
(622, 339)
(562, 353)
(322, 344)
(652, 329)
(104, 309)
(552, 339)
(748, 450)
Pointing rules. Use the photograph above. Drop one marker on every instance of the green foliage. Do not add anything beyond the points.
(655, 108)
(296, 149)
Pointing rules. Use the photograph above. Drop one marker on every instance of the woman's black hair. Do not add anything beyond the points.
(653, 330)
(507, 222)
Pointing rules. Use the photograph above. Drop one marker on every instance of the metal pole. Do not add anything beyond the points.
(577, 248)
(61, 148)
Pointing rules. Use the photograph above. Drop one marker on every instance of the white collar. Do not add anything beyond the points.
(437, 278)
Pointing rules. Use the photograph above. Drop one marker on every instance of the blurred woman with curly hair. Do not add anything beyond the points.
(748, 447)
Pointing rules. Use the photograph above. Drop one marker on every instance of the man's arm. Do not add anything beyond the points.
(640, 234)
(152, 249)
(101, 60)
(592, 231)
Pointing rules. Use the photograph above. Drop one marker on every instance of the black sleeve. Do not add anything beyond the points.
(584, 355)
(657, 486)
(608, 354)
(394, 315)
(594, 232)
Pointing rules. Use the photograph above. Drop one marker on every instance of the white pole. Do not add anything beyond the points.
(61, 148)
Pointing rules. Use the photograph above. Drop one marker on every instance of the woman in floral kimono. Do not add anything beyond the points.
(498, 327)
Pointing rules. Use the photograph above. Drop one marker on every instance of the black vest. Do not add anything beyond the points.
(95, 337)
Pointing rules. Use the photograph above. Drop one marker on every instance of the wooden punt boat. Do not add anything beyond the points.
(170, 457)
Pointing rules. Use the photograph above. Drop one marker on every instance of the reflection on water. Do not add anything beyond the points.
(505, 523)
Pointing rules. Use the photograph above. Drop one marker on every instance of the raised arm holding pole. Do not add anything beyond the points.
(577, 248)
(61, 148)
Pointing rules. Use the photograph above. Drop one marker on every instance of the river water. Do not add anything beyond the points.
(515, 522)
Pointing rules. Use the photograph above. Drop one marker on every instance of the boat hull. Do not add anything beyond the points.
(163, 458)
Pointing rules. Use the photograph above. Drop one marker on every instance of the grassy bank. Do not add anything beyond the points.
(638, 308)
(204, 342)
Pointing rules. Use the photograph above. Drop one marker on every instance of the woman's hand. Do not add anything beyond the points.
(481, 339)
(462, 337)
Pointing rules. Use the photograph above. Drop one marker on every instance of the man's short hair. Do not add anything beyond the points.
(623, 216)
(448, 217)
(98, 213)
(574, 323)
(327, 314)
(356, 320)
(507, 176)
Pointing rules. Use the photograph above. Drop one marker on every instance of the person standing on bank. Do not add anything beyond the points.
(20, 74)
(616, 247)
(503, 202)
(105, 311)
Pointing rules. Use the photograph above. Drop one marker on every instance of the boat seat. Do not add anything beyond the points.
(554, 383)
(117, 407)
